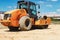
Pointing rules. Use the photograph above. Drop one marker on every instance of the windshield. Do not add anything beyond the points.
(33, 9)
(29, 6)
(23, 5)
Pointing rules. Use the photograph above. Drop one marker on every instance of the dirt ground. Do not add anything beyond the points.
(52, 33)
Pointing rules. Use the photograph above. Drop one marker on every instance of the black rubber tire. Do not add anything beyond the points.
(11, 28)
(25, 23)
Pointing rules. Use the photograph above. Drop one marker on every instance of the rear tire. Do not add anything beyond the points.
(25, 23)
(11, 28)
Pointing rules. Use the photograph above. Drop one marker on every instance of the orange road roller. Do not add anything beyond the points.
(24, 17)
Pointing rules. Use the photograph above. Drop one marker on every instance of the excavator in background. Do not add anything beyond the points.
(24, 17)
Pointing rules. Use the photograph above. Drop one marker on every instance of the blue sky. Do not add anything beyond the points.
(47, 7)
(50, 7)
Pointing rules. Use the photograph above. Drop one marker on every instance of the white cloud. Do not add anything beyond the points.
(41, 2)
(15, 6)
(52, 0)
(58, 10)
(9, 7)
(49, 5)
(1, 9)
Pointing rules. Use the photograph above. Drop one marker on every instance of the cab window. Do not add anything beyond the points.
(33, 9)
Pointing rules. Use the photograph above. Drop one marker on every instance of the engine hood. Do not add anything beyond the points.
(9, 12)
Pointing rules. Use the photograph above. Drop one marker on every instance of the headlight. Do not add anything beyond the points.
(6, 16)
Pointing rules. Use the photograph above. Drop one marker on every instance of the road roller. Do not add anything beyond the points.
(24, 17)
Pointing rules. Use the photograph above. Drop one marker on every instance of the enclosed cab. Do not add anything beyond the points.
(30, 7)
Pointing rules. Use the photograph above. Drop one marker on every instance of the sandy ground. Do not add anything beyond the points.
(52, 33)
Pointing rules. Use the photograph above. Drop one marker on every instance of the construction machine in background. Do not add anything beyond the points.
(24, 17)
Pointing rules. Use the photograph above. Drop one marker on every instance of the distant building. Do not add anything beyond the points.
(56, 17)
(1, 14)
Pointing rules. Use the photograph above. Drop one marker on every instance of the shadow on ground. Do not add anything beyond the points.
(28, 30)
